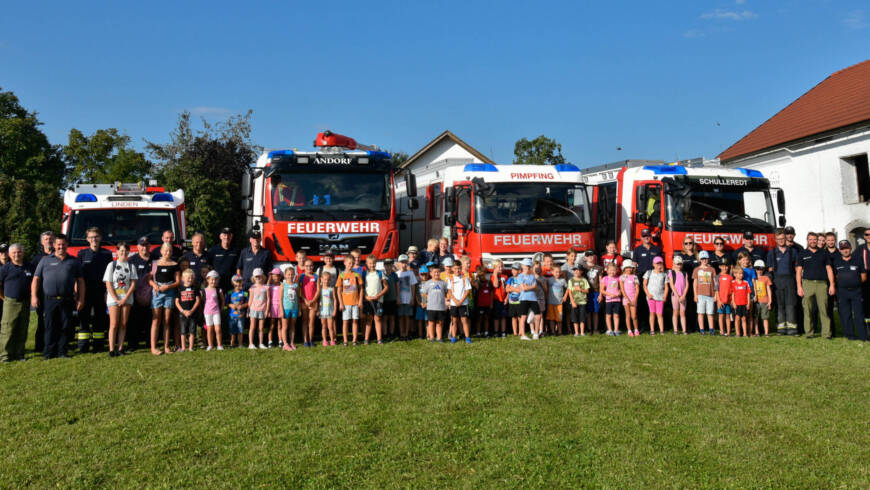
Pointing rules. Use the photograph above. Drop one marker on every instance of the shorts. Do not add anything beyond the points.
(187, 324)
(741, 311)
(611, 308)
(554, 313)
(656, 306)
(706, 306)
(498, 309)
(111, 302)
(578, 315)
(350, 312)
(436, 315)
(515, 310)
(459, 311)
(626, 301)
(390, 308)
(257, 315)
(275, 310)
(677, 303)
(404, 310)
(527, 306)
(762, 311)
(724, 310)
(483, 311)
(212, 319)
(592, 304)
(373, 308)
(166, 299)
(237, 325)
(420, 314)
(291, 313)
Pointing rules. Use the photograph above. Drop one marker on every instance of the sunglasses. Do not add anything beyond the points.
(866, 234)
(688, 243)
(718, 243)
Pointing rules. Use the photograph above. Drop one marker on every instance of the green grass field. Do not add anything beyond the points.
(561, 412)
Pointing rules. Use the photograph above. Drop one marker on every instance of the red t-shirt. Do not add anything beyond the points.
(725, 281)
(498, 283)
(741, 292)
(608, 258)
(484, 295)
(309, 286)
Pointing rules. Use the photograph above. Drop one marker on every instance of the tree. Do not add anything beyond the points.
(208, 165)
(539, 151)
(399, 157)
(104, 157)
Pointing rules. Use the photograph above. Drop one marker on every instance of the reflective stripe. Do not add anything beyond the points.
(83, 336)
(99, 335)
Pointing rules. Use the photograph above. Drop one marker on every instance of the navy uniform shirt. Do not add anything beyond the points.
(16, 280)
(848, 272)
(224, 261)
(59, 276)
(757, 253)
(94, 264)
(643, 258)
(832, 255)
(715, 260)
(197, 262)
(814, 264)
(248, 261)
(782, 263)
(143, 266)
(798, 247)
(689, 262)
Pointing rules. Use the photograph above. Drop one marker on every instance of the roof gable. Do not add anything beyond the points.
(840, 100)
(446, 135)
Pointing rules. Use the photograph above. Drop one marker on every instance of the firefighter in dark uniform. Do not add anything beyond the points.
(815, 284)
(223, 258)
(93, 321)
(60, 278)
(253, 257)
(789, 239)
(851, 275)
(643, 257)
(782, 262)
(167, 237)
(15, 277)
(197, 257)
(755, 253)
(45, 242)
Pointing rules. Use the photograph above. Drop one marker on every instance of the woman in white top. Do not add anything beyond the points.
(120, 278)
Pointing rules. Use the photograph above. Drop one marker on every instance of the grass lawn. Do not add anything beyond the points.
(561, 412)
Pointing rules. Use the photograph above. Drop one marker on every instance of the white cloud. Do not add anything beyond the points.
(723, 14)
(210, 111)
(856, 20)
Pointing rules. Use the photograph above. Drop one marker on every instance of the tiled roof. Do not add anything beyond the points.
(840, 100)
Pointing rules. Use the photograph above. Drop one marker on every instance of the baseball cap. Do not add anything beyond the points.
(237, 278)
(645, 232)
(844, 244)
(227, 230)
(527, 262)
(724, 261)
(677, 259)
(403, 258)
(589, 253)
(212, 274)
(747, 235)
(257, 272)
(253, 234)
(388, 261)
(628, 263)
(658, 260)
(448, 262)
(515, 266)
(703, 255)
(576, 268)
(413, 249)
(143, 240)
(4, 247)
(789, 230)
(759, 264)
(424, 269)
(275, 271)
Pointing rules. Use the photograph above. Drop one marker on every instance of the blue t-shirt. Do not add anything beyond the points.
(527, 280)
(237, 298)
(513, 297)
(750, 276)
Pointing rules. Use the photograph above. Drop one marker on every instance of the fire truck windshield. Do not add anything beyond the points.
(532, 206)
(720, 208)
(336, 195)
(120, 225)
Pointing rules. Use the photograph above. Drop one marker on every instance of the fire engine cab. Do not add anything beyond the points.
(702, 201)
(508, 212)
(122, 212)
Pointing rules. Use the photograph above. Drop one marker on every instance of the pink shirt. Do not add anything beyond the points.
(212, 301)
(629, 284)
(258, 298)
(309, 286)
(611, 285)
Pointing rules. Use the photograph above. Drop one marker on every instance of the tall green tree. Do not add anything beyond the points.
(399, 157)
(208, 165)
(31, 176)
(104, 157)
(539, 151)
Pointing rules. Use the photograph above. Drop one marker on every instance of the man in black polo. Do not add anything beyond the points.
(643, 257)
(755, 253)
(197, 257)
(815, 282)
(782, 262)
(833, 252)
(46, 238)
(60, 278)
(93, 320)
(851, 275)
(789, 239)
(168, 237)
(252, 258)
(15, 277)
(224, 257)
(140, 313)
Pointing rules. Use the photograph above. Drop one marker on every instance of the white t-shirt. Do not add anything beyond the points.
(406, 282)
(374, 284)
(120, 274)
(458, 286)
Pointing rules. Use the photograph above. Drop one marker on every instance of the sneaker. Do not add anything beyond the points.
(286, 347)
(292, 346)
(636, 333)
(309, 344)
(263, 346)
(331, 342)
(486, 334)
(206, 349)
(252, 346)
(583, 334)
(220, 347)
(467, 340)
(524, 337)
(452, 340)
(380, 342)
(325, 343)
(617, 333)
(576, 334)
(535, 336)
(503, 335)
(271, 344)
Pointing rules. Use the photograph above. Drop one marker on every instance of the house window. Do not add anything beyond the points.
(856, 179)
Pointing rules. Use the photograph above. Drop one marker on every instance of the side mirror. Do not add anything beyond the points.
(411, 185)
(246, 204)
(640, 217)
(780, 201)
(246, 185)
(450, 200)
(449, 220)
(413, 203)
(781, 221)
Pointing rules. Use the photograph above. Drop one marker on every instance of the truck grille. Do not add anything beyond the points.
(319, 245)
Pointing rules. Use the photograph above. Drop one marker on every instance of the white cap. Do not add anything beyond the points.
(759, 264)
(448, 262)
(678, 259)
(257, 272)
(213, 274)
(528, 262)
(628, 263)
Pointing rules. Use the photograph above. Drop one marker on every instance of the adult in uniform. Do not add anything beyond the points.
(643, 257)
(167, 237)
(719, 252)
(833, 252)
(60, 278)
(140, 313)
(93, 321)
(253, 257)
(45, 240)
(781, 261)
(851, 275)
(815, 282)
(223, 258)
(15, 277)
(789, 239)
(755, 253)
(689, 254)
(197, 257)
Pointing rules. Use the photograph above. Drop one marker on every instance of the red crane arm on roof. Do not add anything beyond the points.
(328, 138)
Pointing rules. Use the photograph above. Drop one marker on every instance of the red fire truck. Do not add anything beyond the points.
(338, 198)
(122, 212)
(700, 199)
(499, 211)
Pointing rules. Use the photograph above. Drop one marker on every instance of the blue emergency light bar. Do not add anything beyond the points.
(479, 167)
(566, 167)
(751, 173)
(162, 197)
(86, 198)
(281, 152)
(666, 169)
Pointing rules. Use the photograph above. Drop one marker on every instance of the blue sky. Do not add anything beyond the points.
(662, 80)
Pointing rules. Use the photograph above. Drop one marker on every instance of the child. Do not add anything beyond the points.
(557, 288)
(704, 291)
(420, 299)
(390, 298)
(301, 257)
(763, 299)
(211, 310)
(655, 285)
(678, 281)
(499, 301)
(350, 300)
(433, 296)
(723, 297)
(187, 302)
(740, 302)
(258, 307)
(406, 281)
(276, 309)
(375, 288)
(547, 265)
(541, 292)
(483, 300)
(594, 273)
(290, 305)
(308, 285)
(459, 289)
(512, 286)
(238, 304)
(326, 296)
(745, 262)
(578, 289)
(612, 293)
(529, 308)
(629, 286)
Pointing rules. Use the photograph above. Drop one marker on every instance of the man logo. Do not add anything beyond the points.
(334, 237)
